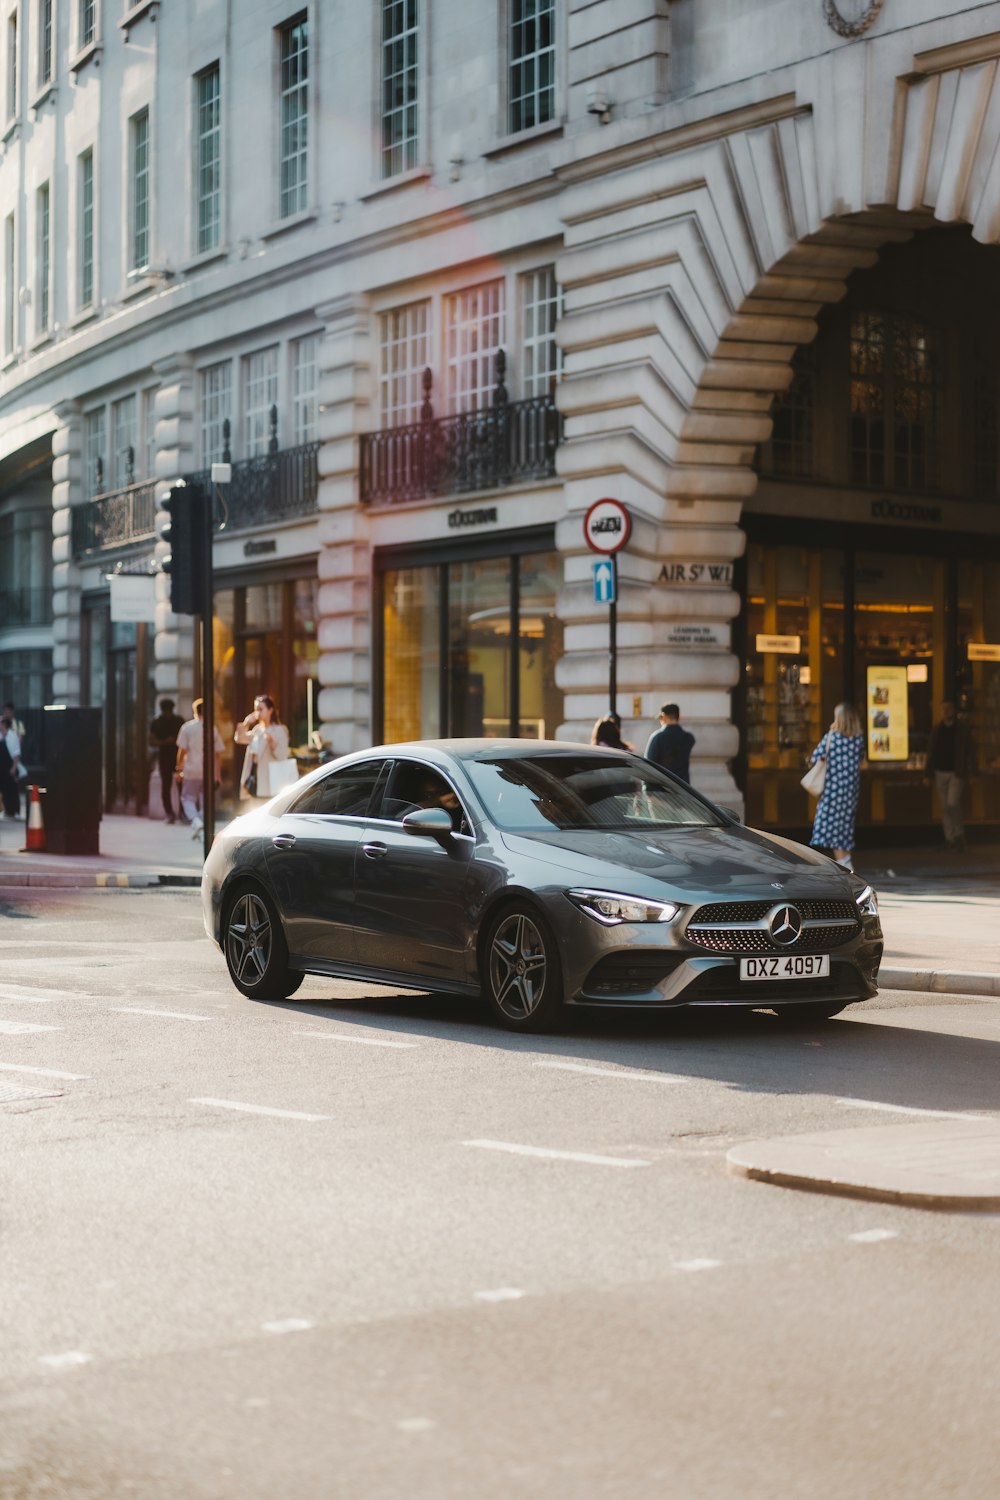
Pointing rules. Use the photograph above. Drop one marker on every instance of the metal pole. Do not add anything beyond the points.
(613, 636)
(208, 674)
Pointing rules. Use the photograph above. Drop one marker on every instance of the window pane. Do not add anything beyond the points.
(540, 645)
(479, 648)
(216, 396)
(404, 354)
(539, 309)
(474, 331)
(531, 75)
(305, 388)
(140, 191)
(293, 106)
(411, 614)
(123, 438)
(399, 86)
(86, 188)
(260, 393)
(209, 163)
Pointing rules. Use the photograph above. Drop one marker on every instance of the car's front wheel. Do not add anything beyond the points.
(522, 973)
(255, 948)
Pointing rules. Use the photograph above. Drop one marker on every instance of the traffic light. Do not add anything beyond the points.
(184, 526)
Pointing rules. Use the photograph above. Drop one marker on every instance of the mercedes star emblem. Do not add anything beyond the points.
(784, 924)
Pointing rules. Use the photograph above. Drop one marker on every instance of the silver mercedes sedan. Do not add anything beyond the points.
(540, 874)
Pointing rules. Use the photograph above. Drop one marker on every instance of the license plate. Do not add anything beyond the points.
(787, 966)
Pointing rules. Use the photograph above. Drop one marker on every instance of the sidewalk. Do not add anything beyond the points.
(940, 911)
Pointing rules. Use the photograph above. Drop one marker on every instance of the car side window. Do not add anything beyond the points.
(344, 794)
(412, 785)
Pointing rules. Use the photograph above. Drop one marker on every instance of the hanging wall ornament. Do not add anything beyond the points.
(851, 17)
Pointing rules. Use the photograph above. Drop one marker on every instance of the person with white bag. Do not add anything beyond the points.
(267, 766)
(841, 751)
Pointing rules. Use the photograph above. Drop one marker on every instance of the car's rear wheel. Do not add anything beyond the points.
(522, 973)
(255, 948)
(809, 1012)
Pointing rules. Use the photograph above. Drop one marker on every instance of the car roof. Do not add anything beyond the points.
(474, 749)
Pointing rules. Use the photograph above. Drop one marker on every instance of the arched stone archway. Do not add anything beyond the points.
(692, 271)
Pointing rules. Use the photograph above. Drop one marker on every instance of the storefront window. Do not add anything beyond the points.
(979, 680)
(540, 637)
(411, 651)
(478, 670)
(302, 706)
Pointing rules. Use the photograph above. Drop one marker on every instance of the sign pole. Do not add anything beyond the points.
(613, 635)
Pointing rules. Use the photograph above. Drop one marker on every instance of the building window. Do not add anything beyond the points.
(149, 432)
(894, 402)
(45, 42)
(789, 454)
(260, 393)
(294, 117)
(9, 289)
(139, 191)
(305, 388)
(12, 66)
(531, 84)
(539, 310)
(123, 440)
(43, 262)
(86, 192)
(216, 397)
(474, 333)
(87, 22)
(404, 355)
(399, 86)
(26, 569)
(208, 167)
(94, 450)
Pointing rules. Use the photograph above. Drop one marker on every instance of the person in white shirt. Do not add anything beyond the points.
(190, 770)
(267, 738)
(10, 766)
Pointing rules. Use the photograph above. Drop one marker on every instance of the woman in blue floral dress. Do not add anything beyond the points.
(843, 749)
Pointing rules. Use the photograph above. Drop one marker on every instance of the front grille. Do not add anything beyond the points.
(755, 911)
(719, 927)
(758, 939)
(630, 973)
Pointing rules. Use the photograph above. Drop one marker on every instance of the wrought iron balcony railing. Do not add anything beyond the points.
(275, 486)
(115, 519)
(506, 443)
(25, 606)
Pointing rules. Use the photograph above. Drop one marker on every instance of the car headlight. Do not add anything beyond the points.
(610, 908)
(867, 902)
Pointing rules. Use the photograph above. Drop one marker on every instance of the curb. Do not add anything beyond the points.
(136, 880)
(939, 981)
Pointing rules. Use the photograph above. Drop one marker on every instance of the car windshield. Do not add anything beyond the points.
(532, 793)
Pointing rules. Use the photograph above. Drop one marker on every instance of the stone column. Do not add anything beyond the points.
(174, 645)
(345, 594)
(67, 492)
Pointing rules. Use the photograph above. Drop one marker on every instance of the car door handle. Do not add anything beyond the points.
(283, 840)
(375, 851)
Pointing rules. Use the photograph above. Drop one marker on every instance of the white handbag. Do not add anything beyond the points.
(281, 773)
(815, 779)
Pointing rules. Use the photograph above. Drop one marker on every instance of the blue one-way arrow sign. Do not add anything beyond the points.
(604, 582)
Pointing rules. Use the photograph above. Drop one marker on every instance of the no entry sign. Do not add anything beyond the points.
(606, 526)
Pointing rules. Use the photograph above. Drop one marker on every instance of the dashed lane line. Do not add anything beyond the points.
(13, 994)
(173, 1015)
(362, 1041)
(501, 1294)
(626, 1073)
(259, 1109)
(696, 1265)
(44, 1072)
(288, 1325)
(21, 1028)
(873, 1236)
(67, 1361)
(551, 1154)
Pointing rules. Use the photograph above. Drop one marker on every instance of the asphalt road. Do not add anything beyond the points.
(362, 1244)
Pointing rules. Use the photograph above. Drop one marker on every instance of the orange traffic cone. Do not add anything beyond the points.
(35, 841)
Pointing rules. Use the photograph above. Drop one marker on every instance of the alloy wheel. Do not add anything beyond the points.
(248, 940)
(518, 966)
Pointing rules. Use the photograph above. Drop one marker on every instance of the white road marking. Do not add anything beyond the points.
(643, 1077)
(696, 1265)
(906, 1109)
(501, 1294)
(553, 1155)
(416, 1424)
(13, 995)
(66, 1361)
(19, 1028)
(173, 1015)
(44, 1072)
(363, 1041)
(288, 1325)
(260, 1109)
(872, 1236)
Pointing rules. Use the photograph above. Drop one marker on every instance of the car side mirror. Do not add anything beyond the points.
(432, 820)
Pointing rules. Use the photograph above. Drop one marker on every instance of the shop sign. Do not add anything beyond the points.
(261, 548)
(133, 599)
(983, 651)
(712, 633)
(779, 645)
(887, 714)
(607, 526)
(484, 515)
(701, 573)
(906, 510)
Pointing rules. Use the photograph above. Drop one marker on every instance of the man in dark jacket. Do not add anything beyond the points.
(670, 746)
(163, 734)
(950, 761)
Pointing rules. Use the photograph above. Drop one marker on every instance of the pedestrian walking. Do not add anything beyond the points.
(11, 770)
(608, 732)
(163, 734)
(17, 724)
(190, 772)
(670, 746)
(843, 750)
(950, 762)
(266, 739)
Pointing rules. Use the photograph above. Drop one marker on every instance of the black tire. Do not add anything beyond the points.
(810, 1012)
(255, 948)
(521, 972)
